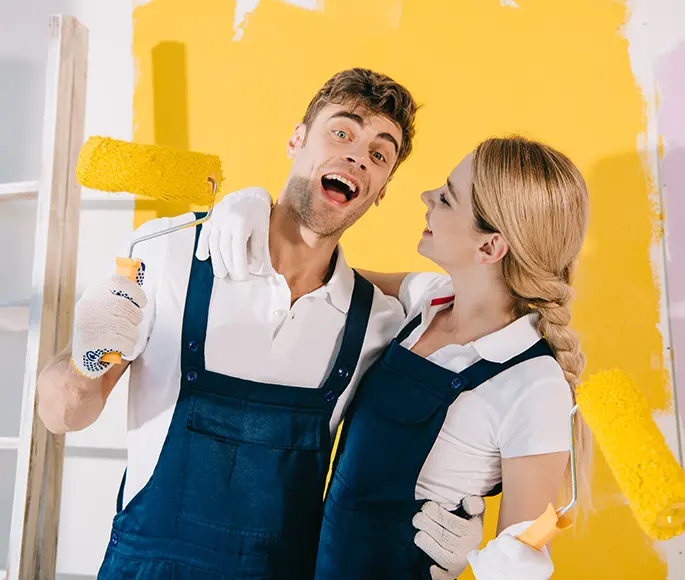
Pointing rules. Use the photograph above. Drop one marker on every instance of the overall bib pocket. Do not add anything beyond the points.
(389, 416)
(248, 461)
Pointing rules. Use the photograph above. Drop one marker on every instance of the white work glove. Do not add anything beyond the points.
(447, 538)
(506, 558)
(237, 234)
(106, 319)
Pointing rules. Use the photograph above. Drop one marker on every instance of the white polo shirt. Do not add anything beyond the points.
(522, 411)
(253, 333)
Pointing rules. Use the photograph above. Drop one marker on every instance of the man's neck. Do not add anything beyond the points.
(302, 257)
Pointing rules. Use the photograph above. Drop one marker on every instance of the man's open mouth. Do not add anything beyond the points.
(339, 188)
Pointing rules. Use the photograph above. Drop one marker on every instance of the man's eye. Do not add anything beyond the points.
(443, 199)
(340, 134)
(378, 156)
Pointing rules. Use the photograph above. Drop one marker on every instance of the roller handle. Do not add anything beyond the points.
(544, 529)
(129, 268)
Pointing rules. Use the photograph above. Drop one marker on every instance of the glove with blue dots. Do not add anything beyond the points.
(106, 319)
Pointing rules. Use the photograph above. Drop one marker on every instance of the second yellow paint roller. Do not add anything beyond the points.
(648, 474)
(157, 172)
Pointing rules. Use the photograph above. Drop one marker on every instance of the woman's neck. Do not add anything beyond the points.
(482, 305)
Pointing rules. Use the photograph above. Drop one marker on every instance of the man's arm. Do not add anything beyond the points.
(388, 283)
(72, 389)
(70, 401)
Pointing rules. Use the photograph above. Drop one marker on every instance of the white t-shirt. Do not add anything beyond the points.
(253, 333)
(522, 411)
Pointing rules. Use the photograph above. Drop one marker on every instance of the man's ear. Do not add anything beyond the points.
(493, 249)
(381, 193)
(296, 139)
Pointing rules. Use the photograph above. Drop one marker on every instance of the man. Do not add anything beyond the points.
(236, 389)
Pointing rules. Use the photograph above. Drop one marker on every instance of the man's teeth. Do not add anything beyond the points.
(341, 179)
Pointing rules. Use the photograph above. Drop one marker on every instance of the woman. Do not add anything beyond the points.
(473, 395)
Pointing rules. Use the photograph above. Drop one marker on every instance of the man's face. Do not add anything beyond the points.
(341, 165)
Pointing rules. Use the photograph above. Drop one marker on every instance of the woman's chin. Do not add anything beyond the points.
(423, 248)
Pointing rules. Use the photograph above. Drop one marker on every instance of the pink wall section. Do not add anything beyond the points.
(671, 84)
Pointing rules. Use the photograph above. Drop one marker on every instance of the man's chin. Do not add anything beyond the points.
(324, 228)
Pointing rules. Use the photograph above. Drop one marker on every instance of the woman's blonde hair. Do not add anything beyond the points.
(537, 199)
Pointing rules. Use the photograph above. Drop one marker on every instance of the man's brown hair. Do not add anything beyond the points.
(373, 92)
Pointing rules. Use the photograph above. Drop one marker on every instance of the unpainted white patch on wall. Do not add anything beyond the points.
(306, 4)
(678, 310)
(672, 551)
(509, 3)
(243, 8)
(654, 28)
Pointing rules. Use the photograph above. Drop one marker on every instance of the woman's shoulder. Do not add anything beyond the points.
(418, 287)
(536, 418)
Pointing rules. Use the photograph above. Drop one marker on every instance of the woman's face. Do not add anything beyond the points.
(451, 239)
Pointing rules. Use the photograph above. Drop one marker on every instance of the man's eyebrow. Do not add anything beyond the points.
(360, 121)
(389, 137)
(452, 189)
(347, 115)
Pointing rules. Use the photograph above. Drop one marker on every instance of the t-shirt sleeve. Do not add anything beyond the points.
(153, 254)
(415, 286)
(538, 423)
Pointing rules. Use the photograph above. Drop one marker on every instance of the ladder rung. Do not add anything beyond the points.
(19, 190)
(9, 443)
(14, 318)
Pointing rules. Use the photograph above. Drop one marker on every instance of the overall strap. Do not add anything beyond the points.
(408, 329)
(484, 370)
(352, 341)
(196, 312)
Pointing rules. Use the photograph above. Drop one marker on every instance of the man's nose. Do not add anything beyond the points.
(356, 158)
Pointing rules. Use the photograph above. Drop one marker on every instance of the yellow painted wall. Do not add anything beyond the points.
(555, 71)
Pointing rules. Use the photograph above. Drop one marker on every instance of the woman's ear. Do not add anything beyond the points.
(493, 249)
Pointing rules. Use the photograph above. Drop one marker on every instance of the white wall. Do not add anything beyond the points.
(95, 458)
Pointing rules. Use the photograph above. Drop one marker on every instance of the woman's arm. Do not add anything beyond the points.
(389, 284)
(529, 484)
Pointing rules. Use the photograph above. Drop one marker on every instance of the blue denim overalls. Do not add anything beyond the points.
(238, 489)
(391, 427)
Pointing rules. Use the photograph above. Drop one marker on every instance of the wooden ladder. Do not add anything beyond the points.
(40, 454)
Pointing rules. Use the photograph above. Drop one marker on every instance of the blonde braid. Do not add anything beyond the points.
(537, 199)
(550, 297)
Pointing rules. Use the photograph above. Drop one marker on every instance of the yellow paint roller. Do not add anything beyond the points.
(158, 172)
(646, 471)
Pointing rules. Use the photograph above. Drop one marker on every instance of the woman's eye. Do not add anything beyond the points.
(443, 199)
(378, 156)
(341, 134)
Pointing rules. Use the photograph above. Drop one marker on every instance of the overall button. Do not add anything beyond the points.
(456, 383)
(343, 372)
(114, 539)
(193, 345)
(329, 397)
(191, 376)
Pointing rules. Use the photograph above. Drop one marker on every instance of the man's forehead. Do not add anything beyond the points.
(357, 112)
